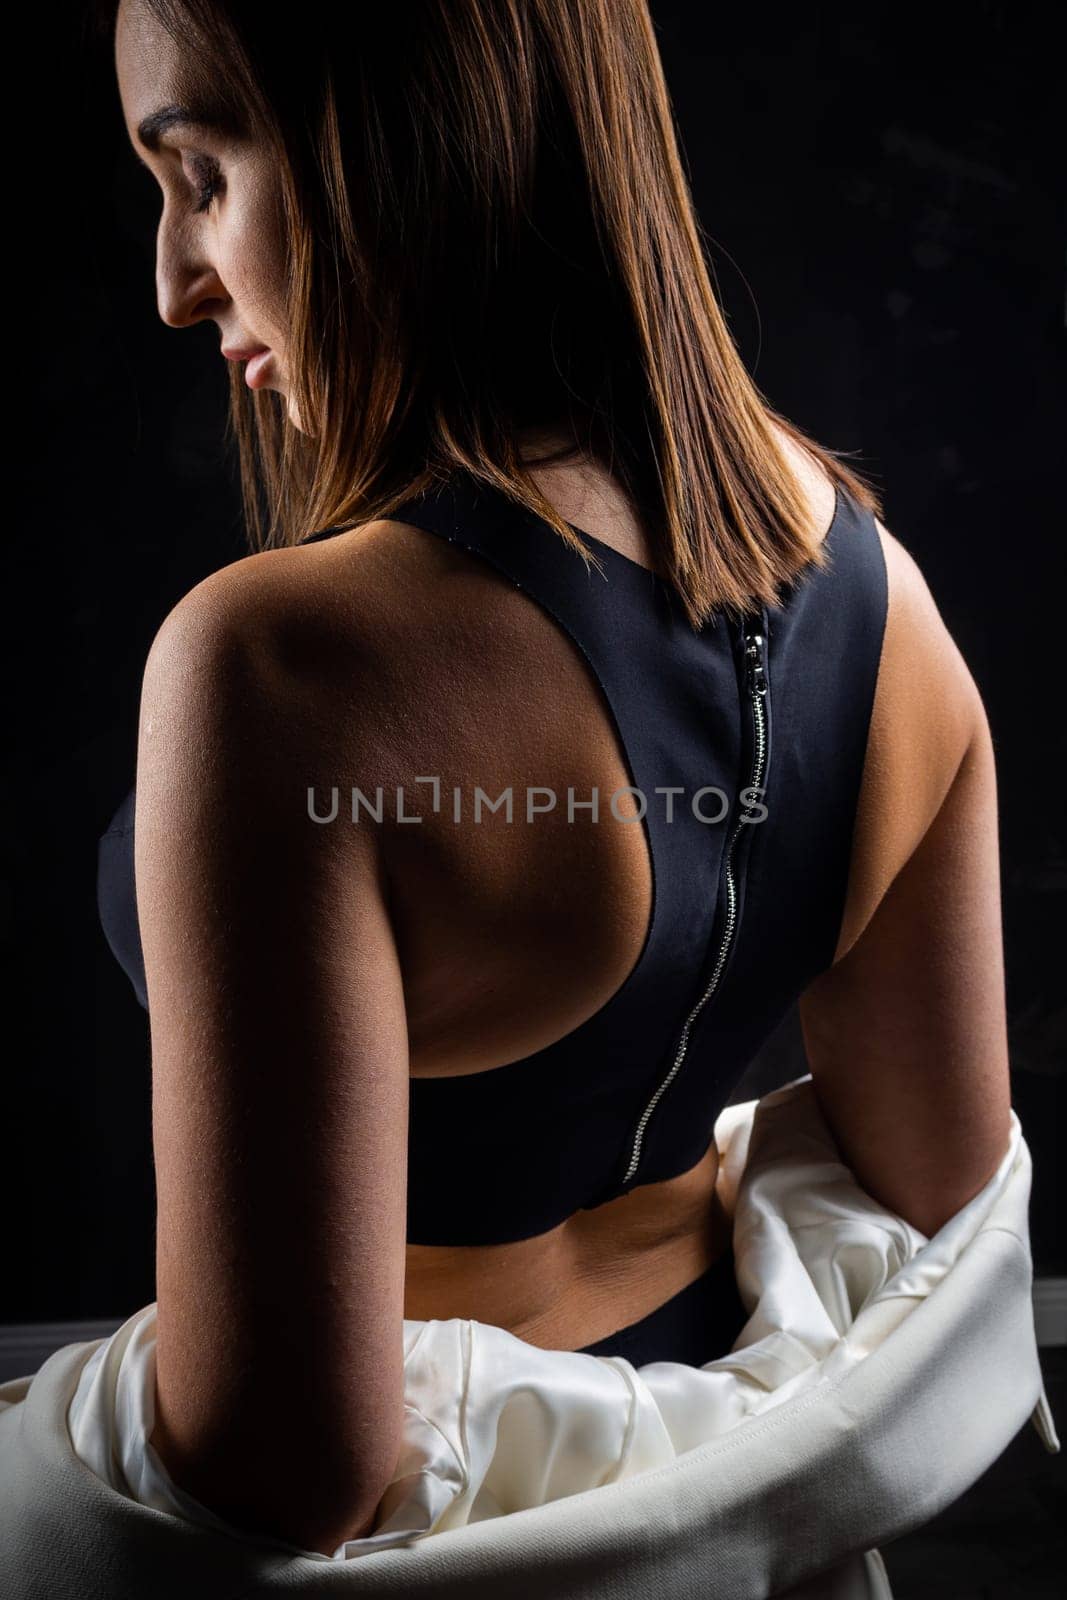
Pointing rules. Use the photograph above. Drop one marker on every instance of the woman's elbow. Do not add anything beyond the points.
(307, 1499)
(318, 1528)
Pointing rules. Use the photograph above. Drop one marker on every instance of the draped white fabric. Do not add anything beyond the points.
(494, 1426)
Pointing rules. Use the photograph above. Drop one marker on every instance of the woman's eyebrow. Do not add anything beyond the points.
(209, 118)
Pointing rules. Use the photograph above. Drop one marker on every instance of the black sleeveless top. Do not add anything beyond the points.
(749, 883)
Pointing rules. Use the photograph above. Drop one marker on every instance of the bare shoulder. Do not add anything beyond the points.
(307, 629)
(926, 717)
(923, 678)
(314, 600)
(905, 1033)
(927, 713)
(813, 478)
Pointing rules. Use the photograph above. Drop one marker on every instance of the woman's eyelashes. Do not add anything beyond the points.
(208, 177)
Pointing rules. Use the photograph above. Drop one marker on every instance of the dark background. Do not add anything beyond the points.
(885, 218)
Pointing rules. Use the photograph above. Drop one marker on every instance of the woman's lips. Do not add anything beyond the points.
(256, 369)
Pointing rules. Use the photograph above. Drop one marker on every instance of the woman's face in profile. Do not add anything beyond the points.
(220, 253)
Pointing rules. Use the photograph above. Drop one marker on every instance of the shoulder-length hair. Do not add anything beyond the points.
(490, 229)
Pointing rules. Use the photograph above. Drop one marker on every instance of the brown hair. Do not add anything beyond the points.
(490, 230)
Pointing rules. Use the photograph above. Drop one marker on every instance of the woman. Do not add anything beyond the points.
(521, 522)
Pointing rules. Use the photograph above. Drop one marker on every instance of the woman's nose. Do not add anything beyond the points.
(188, 286)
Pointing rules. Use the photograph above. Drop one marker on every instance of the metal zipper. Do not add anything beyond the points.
(756, 683)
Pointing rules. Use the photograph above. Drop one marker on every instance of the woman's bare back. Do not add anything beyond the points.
(510, 938)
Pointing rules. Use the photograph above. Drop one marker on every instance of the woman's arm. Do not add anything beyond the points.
(906, 1035)
(279, 1071)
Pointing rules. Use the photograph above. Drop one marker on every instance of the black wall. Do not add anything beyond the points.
(884, 211)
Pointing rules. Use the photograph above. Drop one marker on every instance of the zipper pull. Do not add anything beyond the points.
(755, 662)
